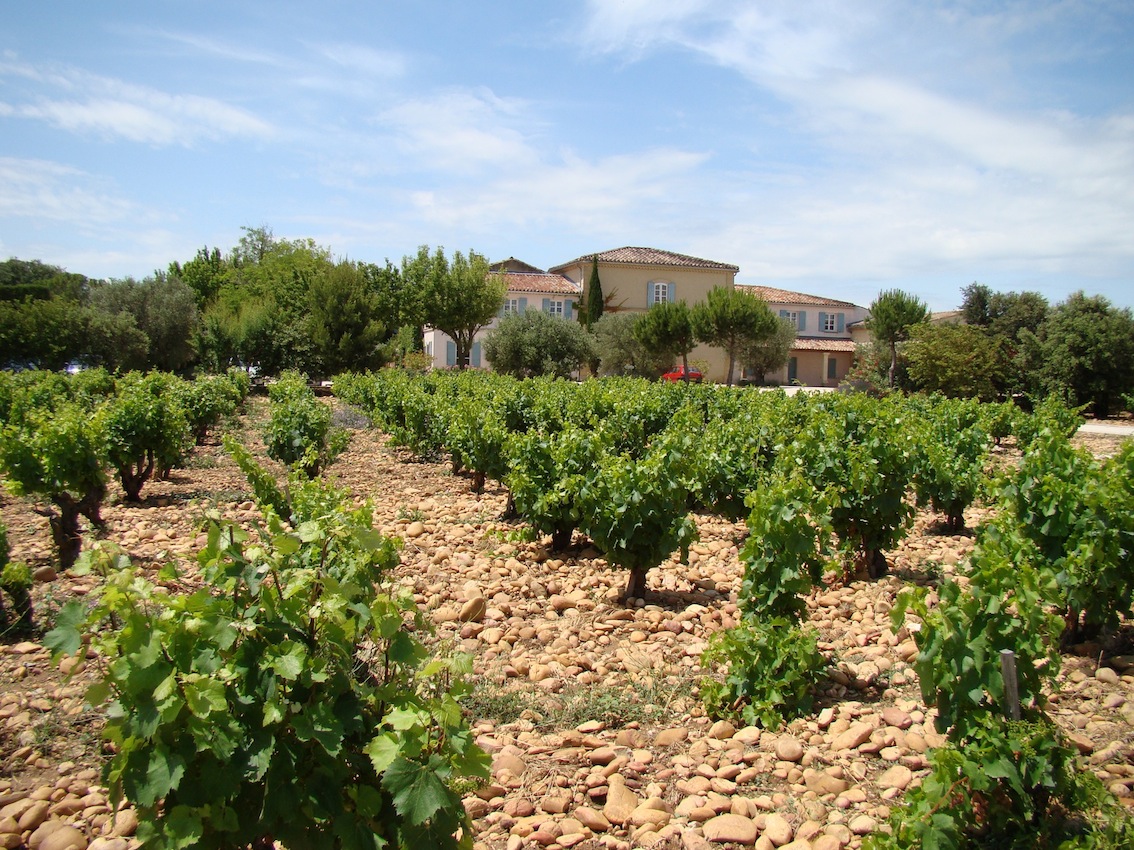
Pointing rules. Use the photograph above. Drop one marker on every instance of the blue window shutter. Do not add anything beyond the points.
(567, 305)
(547, 305)
(450, 353)
(523, 306)
(783, 314)
(803, 320)
(500, 312)
(840, 322)
(669, 288)
(649, 295)
(476, 354)
(832, 369)
(822, 321)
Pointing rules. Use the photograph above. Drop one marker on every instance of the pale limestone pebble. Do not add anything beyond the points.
(670, 737)
(897, 777)
(721, 730)
(621, 801)
(862, 825)
(592, 819)
(731, 829)
(1107, 676)
(788, 749)
(824, 782)
(65, 837)
(777, 830)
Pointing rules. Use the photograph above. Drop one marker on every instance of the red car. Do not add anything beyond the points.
(678, 374)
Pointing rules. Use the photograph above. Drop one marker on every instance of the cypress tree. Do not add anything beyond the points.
(594, 303)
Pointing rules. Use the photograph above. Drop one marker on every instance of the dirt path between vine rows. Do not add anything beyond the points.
(588, 707)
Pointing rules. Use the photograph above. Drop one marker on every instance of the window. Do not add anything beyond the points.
(554, 307)
(511, 306)
(658, 292)
(832, 323)
(832, 369)
(792, 316)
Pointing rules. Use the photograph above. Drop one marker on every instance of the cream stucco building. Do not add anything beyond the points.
(634, 279)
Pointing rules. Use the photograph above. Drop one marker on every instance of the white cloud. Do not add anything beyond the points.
(364, 60)
(607, 196)
(33, 189)
(920, 172)
(459, 131)
(111, 108)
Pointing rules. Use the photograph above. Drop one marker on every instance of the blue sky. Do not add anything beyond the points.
(838, 148)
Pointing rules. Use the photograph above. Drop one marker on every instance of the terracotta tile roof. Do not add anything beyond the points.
(513, 265)
(649, 257)
(810, 344)
(543, 282)
(785, 296)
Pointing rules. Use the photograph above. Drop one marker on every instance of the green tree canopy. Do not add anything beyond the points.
(1084, 352)
(959, 361)
(345, 320)
(593, 306)
(534, 343)
(620, 353)
(733, 320)
(21, 279)
(459, 298)
(892, 315)
(205, 274)
(666, 332)
(164, 309)
(771, 352)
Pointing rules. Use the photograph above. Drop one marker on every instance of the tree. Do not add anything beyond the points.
(959, 361)
(145, 429)
(892, 315)
(460, 298)
(42, 333)
(733, 320)
(399, 303)
(164, 309)
(20, 279)
(975, 304)
(593, 307)
(345, 320)
(666, 331)
(771, 353)
(620, 353)
(1086, 352)
(58, 453)
(535, 343)
(205, 274)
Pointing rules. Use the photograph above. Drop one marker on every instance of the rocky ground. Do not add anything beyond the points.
(588, 706)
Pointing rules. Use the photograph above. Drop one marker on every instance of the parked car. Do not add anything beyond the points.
(678, 374)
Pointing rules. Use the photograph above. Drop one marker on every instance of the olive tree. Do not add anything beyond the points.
(535, 343)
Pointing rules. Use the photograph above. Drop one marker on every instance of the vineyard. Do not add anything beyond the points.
(460, 609)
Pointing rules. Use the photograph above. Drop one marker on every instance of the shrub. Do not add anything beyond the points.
(58, 455)
(772, 669)
(16, 581)
(145, 427)
(290, 699)
(300, 430)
